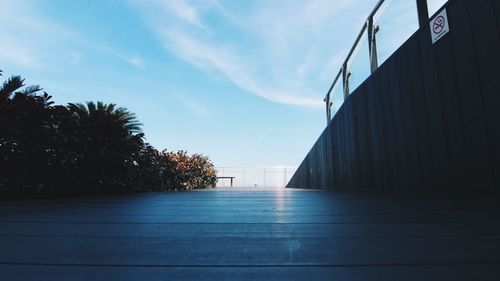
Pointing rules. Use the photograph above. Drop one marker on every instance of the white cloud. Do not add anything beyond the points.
(234, 68)
(25, 36)
(275, 50)
(133, 60)
(136, 61)
(18, 54)
(180, 9)
(196, 107)
(184, 11)
(31, 40)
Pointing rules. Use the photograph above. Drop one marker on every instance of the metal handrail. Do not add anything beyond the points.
(343, 69)
(423, 16)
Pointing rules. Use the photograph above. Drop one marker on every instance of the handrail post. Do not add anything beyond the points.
(328, 104)
(423, 13)
(372, 30)
(372, 44)
(345, 80)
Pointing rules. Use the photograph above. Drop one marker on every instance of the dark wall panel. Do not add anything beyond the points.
(374, 163)
(418, 107)
(409, 129)
(445, 63)
(477, 152)
(387, 140)
(426, 122)
(399, 143)
(485, 34)
(362, 147)
(439, 163)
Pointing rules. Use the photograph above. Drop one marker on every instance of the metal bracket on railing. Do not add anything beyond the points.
(344, 70)
(345, 80)
(372, 43)
(423, 19)
(328, 103)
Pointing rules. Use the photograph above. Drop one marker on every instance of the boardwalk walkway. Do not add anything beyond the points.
(254, 234)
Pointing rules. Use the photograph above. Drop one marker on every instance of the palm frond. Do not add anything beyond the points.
(91, 107)
(30, 90)
(111, 108)
(100, 107)
(78, 108)
(10, 86)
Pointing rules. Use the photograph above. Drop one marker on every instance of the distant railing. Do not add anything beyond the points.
(372, 29)
(256, 176)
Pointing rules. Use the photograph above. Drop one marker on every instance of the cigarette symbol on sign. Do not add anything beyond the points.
(438, 24)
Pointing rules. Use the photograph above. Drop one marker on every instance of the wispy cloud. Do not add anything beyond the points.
(282, 51)
(12, 52)
(197, 108)
(31, 40)
(25, 35)
(273, 50)
(138, 62)
(184, 11)
(133, 60)
(234, 68)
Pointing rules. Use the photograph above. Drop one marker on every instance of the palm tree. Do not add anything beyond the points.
(24, 135)
(13, 84)
(109, 139)
(121, 115)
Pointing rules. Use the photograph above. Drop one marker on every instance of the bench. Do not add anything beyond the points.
(231, 178)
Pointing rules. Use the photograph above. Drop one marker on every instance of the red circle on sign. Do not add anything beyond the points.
(438, 25)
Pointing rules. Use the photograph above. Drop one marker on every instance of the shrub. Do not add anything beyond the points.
(160, 171)
(51, 150)
(185, 172)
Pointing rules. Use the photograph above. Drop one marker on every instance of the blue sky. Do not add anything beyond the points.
(239, 81)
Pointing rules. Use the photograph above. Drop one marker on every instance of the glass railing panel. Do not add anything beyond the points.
(359, 64)
(337, 97)
(397, 21)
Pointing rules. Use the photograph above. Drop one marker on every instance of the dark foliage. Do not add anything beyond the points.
(49, 150)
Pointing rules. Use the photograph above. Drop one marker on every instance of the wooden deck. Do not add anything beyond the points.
(253, 234)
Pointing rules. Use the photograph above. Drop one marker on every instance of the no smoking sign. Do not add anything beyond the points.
(439, 26)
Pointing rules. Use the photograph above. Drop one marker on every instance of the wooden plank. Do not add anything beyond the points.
(420, 117)
(243, 230)
(247, 234)
(399, 139)
(387, 127)
(486, 41)
(382, 273)
(409, 128)
(439, 164)
(445, 64)
(329, 158)
(250, 251)
(363, 164)
(382, 108)
(335, 155)
(344, 164)
(377, 164)
(472, 108)
(350, 146)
